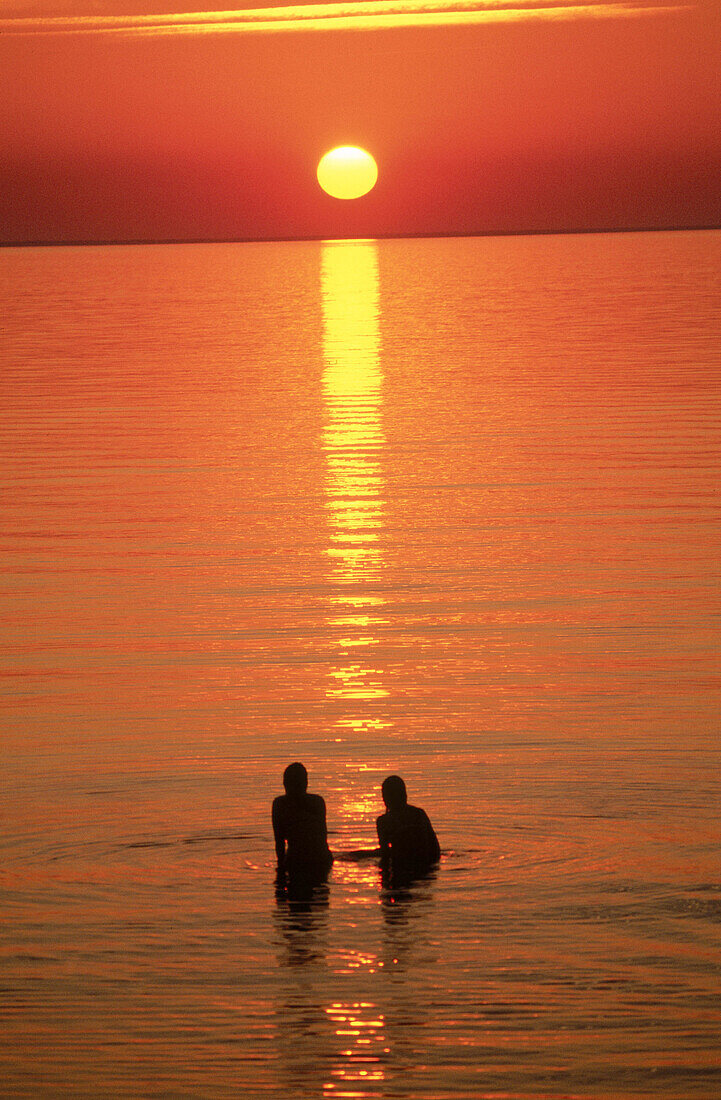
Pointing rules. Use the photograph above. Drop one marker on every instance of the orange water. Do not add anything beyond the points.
(445, 507)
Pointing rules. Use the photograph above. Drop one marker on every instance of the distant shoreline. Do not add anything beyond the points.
(380, 237)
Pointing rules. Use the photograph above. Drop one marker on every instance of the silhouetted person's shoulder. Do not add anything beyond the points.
(313, 804)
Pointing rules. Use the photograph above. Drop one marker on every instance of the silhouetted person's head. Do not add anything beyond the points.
(394, 792)
(295, 779)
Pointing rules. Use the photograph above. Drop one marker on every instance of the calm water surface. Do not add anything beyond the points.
(445, 507)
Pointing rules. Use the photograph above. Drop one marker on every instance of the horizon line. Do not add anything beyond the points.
(134, 242)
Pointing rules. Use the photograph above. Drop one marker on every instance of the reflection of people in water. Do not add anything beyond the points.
(409, 845)
(301, 834)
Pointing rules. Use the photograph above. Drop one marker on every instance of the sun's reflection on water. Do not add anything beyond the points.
(353, 442)
(361, 1029)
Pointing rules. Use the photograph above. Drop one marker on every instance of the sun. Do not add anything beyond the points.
(347, 172)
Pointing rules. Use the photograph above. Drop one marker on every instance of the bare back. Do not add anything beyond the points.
(299, 821)
(407, 839)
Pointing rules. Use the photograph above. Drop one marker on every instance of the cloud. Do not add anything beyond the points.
(358, 15)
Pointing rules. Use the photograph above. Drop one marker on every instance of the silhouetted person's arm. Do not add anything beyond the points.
(433, 847)
(279, 833)
(384, 839)
(322, 816)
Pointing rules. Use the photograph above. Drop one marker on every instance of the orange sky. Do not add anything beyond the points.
(544, 117)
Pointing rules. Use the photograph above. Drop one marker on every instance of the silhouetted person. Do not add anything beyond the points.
(409, 846)
(301, 834)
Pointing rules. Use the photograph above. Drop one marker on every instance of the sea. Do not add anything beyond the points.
(442, 508)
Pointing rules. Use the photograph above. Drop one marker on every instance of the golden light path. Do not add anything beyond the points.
(347, 172)
(352, 441)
